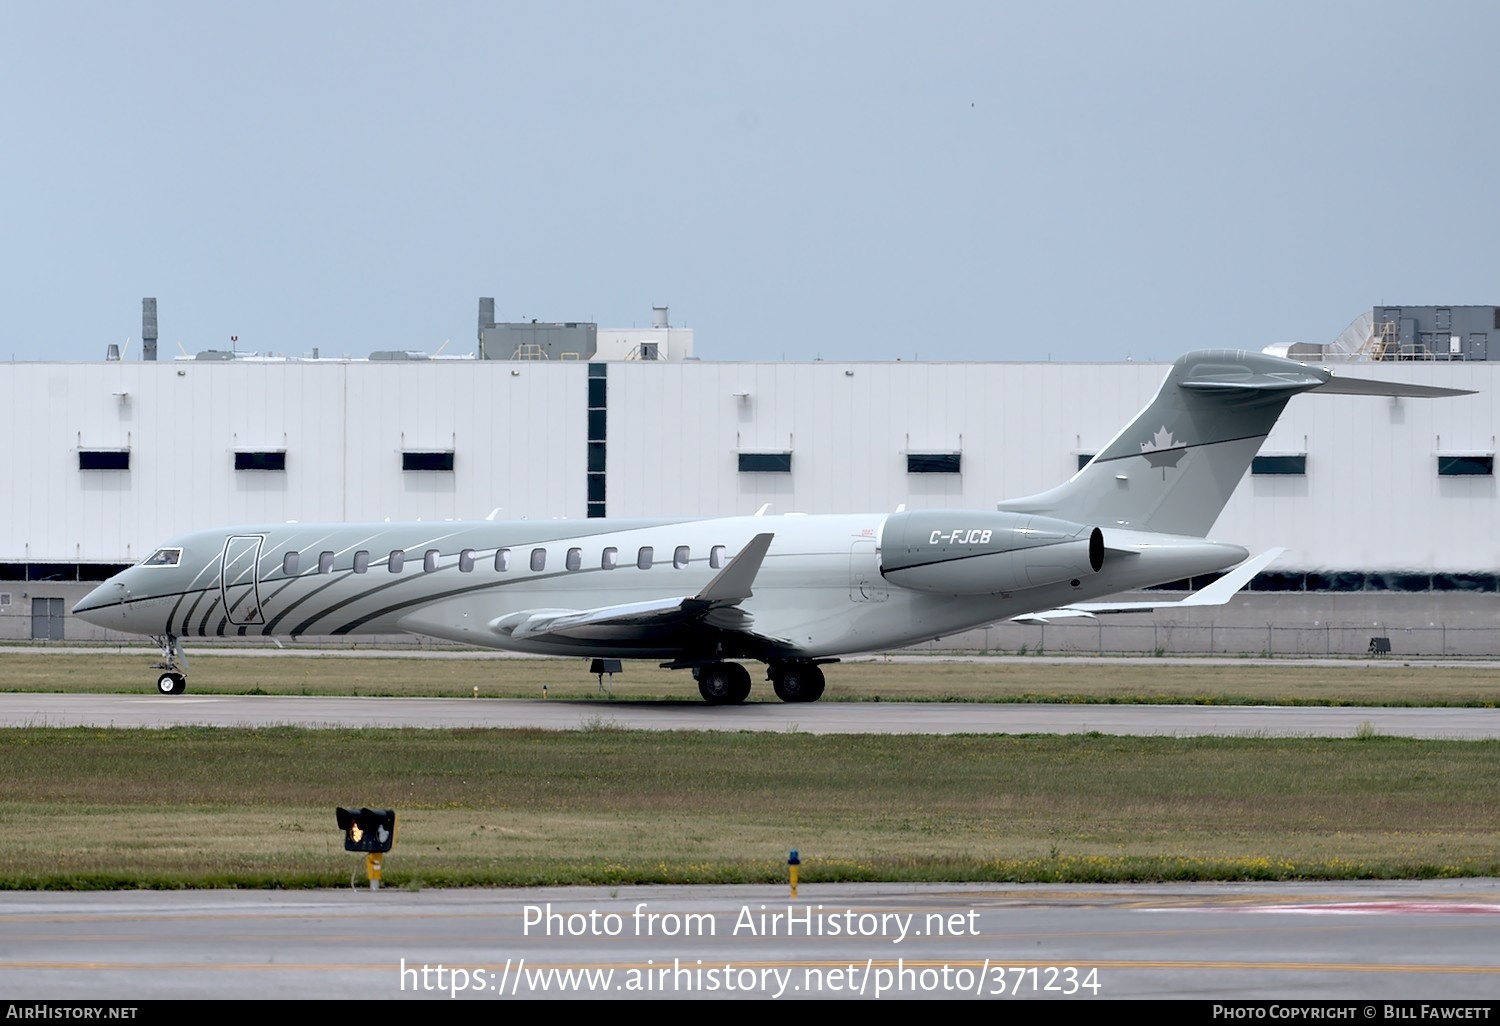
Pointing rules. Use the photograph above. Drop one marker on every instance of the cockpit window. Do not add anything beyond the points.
(164, 557)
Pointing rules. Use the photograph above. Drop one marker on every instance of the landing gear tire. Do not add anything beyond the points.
(724, 683)
(798, 683)
(741, 683)
(172, 680)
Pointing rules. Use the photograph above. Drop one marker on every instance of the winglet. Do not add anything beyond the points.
(732, 584)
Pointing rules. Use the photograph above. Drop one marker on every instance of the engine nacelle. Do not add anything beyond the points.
(967, 552)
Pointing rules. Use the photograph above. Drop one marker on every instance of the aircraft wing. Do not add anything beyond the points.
(1215, 594)
(716, 606)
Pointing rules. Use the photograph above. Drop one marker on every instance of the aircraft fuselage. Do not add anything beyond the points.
(825, 587)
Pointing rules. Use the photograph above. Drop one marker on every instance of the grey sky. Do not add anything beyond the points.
(939, 180)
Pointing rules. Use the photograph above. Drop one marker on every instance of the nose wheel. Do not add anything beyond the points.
(172, 680)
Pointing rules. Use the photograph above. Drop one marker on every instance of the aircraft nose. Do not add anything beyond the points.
(102, 604)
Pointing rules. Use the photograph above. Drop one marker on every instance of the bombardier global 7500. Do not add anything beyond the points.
(794, 592)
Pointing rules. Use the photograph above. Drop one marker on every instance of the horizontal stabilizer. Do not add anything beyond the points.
(1215, 594)
(1367, 386)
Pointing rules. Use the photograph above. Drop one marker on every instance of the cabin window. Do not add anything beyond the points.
(538, 559)
(610, 559)
(716, 557)
(430, 561)
(397, 561)
(643, 557)
(575, 559)
(502, 560)
(466, 561)
(361, 561)
(289, 564)
(325, 562)
(680, 557)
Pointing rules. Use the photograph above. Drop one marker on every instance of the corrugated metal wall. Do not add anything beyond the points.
(1371, 498)
(518, 441)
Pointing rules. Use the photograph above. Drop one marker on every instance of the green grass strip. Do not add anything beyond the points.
(202, 807)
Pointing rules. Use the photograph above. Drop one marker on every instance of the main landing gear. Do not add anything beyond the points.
(729, 683)
(796, 682)
(723, 683)
(173, 681)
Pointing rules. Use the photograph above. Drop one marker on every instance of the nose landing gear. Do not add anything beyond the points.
(173, 681)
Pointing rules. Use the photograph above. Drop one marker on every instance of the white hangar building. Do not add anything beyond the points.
(1387, 503)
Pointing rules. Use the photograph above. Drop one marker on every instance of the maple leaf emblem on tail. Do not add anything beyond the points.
(1163, 450)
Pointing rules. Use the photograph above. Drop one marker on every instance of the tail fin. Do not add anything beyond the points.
(1172, 469)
